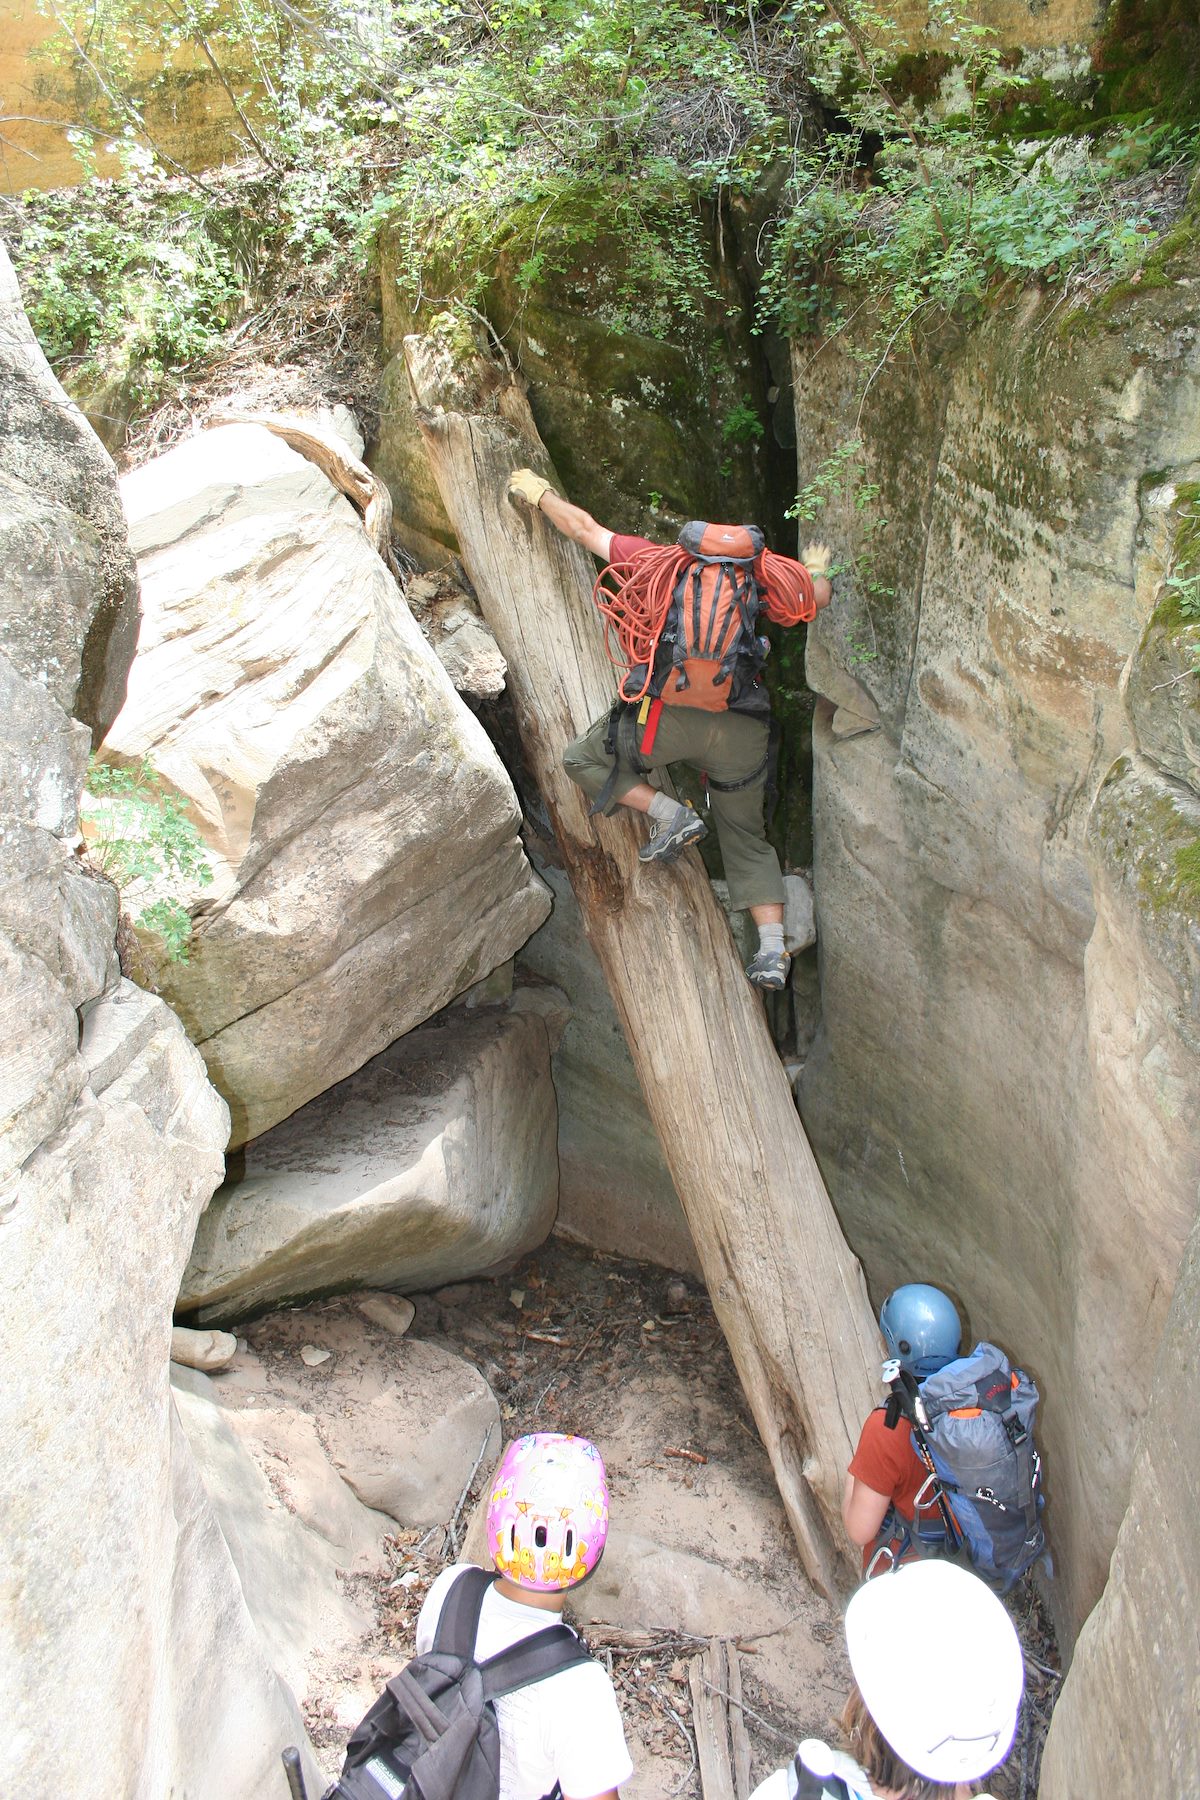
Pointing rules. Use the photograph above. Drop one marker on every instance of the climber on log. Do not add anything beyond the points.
(685, 617)
(789, 1294)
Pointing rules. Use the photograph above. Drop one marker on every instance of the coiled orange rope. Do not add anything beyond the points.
(634, 598)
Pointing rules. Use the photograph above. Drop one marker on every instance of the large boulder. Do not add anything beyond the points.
(293, 1536)
(354, 1422)
(71, 619)
(1008, 892)
(361, 829)
(436, 1161)
(120, 1598)
(122, 1610)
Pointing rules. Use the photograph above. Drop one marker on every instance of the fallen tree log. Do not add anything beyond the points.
(789, 1295)
(722, 1742)
(321, 445)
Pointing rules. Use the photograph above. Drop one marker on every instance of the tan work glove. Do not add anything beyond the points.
(817, 558)
(524, 485)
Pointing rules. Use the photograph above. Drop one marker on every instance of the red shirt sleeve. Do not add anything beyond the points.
(886, 1462)
(624, 547)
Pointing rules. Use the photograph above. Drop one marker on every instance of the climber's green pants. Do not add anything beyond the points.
(727, 747)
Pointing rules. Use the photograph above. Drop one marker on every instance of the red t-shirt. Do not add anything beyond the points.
(624, 547)
(887, 1463)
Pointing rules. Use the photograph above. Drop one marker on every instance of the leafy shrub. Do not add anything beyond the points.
(117, 280)
(140, 838)
(741, 424)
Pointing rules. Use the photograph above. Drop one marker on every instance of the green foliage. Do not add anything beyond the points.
(843, 478)
(922, 209)
(140, 838)
(546, 127)
(114, 281)
(741, 424)
(841, 475)
(1186, 872)
(1186, 592)
(858, 651)
(536, 126)
(558, 136)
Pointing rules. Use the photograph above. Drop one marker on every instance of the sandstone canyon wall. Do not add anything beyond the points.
(1003, 1090)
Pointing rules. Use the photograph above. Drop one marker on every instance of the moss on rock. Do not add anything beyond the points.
(1147, 830)
(1148, 57)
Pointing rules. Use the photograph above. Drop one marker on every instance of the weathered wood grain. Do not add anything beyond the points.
(788, 1293)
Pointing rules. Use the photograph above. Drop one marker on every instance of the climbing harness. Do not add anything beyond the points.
(899, 1537)
(622, 747)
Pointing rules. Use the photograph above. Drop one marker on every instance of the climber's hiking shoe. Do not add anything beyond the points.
(666, 842)
(768, 969)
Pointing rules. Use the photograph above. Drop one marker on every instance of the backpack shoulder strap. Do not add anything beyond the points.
(532, 1659)
(458, 1621)
(816, 1787)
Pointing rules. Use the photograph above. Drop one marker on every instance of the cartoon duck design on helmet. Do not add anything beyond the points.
(547, 1517)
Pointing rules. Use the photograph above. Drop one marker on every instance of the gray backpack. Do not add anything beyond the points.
(972, 1425)
(432, 1733)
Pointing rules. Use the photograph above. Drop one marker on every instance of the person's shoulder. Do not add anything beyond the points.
(440, 1586)
(625, 545)
(589, 1676)
(776, 1786)
(876, 1429)
(822, 1763)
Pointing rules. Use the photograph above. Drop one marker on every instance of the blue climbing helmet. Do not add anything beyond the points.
(921, 1327)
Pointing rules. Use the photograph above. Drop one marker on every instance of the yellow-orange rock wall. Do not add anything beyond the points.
(190, 119)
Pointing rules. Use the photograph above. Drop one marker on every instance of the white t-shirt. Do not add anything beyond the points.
(565, 1728)
(822, 1761)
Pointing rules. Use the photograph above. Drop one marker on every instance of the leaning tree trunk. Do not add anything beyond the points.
(789, 1295)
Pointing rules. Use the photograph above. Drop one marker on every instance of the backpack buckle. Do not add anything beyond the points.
(1017, 1433)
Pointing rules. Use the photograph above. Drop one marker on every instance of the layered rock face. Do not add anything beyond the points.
(1132, 1697)
(1003, 1091)
(61, 526)
(436, 1161)
(362, 831)
(122, 1611)
(290, 1539)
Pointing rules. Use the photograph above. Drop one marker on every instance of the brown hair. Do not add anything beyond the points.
(883, 1768)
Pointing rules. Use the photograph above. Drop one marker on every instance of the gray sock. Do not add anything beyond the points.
(770, 937)
(662, 809)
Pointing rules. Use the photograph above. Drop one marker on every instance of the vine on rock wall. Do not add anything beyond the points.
(923, 206)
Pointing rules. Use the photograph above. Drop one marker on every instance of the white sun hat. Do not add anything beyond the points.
(938, 1664)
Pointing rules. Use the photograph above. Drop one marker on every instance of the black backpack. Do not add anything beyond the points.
(432, 1733)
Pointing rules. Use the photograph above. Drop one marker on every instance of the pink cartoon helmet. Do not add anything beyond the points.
(547, 1515)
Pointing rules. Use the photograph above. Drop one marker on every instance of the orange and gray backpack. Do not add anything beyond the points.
(686, 614)
(685, 617)
(709, 646)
